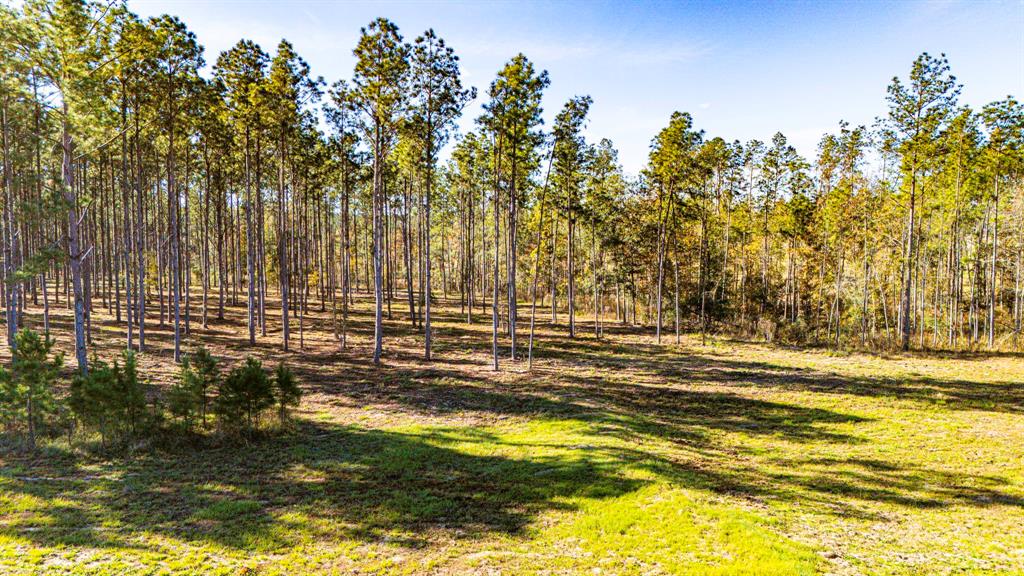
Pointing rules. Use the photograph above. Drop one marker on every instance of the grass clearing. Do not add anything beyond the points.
(614, 457)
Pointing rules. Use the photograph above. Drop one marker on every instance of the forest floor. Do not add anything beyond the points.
(616, 456)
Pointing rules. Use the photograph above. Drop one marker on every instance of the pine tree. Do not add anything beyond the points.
(241, 70)
(380, 92)
(441, 98)
(570, 165)
(512, 117)
(917, 111)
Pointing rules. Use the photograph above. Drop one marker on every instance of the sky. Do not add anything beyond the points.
(743, 70)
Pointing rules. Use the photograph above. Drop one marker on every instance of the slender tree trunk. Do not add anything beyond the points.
(407, 250)
(222, 270)
(838, 299)
(39, 195)
(126, 215)
(140, 244)
(905, 313)
(865, 270)
(536, 262)
(282, 243)
(597, 304)
(250, 245)
(346, 289)
(554, 285)
(497, 252)
(11, 286)
(470, 258)
(378, 271)
(661, 264)
(1017, 283)
(995, 251)
(428, 263)
(675, 289)
(206, 236)
(702, 273)
(186, 270)
(173, 202)
(75, 254)
(570, 271)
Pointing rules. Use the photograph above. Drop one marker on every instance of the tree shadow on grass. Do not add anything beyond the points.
(660, 399)
(906, 485)
(324, 482)
(954, 394)
(675, 366)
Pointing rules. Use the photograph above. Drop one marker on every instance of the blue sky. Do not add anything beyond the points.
(742, 69)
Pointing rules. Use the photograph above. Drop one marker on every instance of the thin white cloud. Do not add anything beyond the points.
(677, 53)
(618, 53)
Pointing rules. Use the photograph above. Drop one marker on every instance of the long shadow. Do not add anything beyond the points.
(676, 366)
(955, 394)
(323, 481)
(683, 415)
(615, 404)
(675, 413)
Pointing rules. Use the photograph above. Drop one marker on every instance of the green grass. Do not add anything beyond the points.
(619, 457)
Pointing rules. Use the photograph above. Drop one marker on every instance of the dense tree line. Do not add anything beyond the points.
(137, 185)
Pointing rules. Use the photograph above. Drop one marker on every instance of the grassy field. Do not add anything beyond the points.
(617, 456)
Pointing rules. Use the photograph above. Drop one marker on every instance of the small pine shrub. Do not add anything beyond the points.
(111, 399)
(189, 398)
(243, 396)
(286, 390)
(208, 372)
(26, 391)
(133, 393)
(182, 401)
(92, 397)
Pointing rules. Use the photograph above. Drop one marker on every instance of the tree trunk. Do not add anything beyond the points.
(172, 222)
(11, 242)
(597, 304)
(661, 264)
(908, 252)
(427, 266)
(536, 262)
(993, 286)
(570, 271)
(497, 252)
(407, 249)
(250, 264)
(378, 264)
(346, 286)
(282, 243)
(75, 253)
